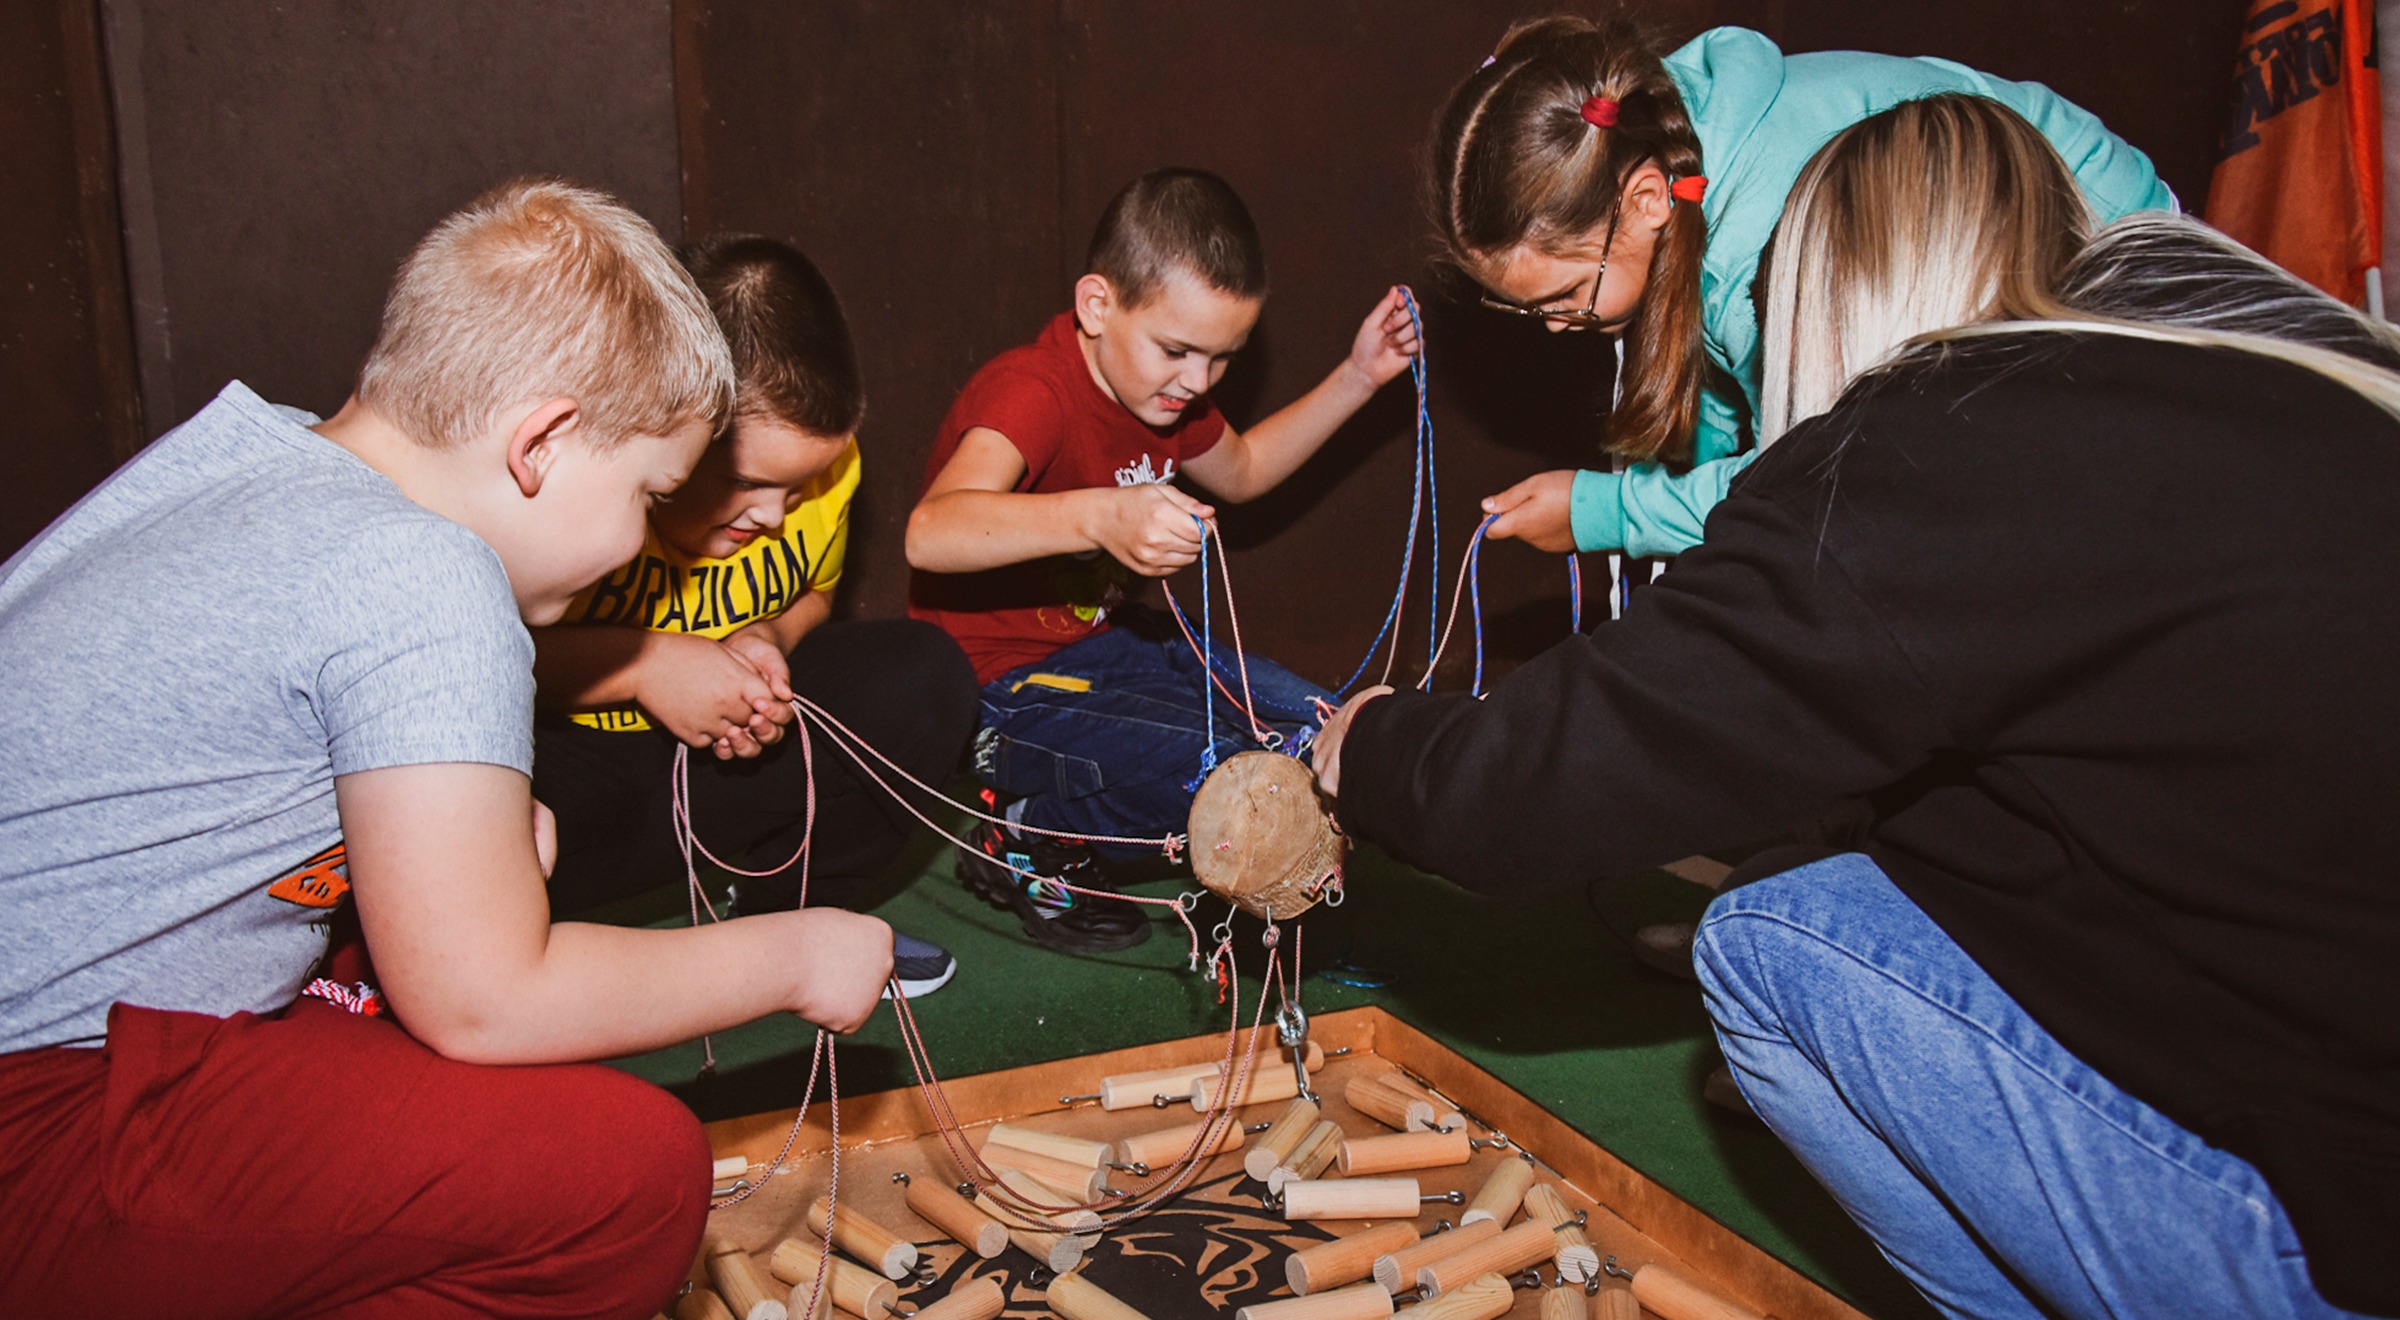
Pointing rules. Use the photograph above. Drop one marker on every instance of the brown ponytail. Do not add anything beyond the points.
(1515, 162)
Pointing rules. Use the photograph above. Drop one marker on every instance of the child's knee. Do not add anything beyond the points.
(630, 1203)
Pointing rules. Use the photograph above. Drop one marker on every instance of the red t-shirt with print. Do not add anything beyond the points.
(1073, 436)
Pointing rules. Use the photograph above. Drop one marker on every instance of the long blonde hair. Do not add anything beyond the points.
(1941, 212)
(1948, 220)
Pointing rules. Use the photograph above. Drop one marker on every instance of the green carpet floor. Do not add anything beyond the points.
(1541, 993)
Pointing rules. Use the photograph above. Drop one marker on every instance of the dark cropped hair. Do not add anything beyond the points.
(1178, 219)
(792, 356)
(1514, 162)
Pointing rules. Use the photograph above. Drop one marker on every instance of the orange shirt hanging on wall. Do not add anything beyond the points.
(2300, 168)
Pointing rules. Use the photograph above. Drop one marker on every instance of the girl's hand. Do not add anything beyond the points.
(1326, 755)
(1538, 511)
(1386, 340)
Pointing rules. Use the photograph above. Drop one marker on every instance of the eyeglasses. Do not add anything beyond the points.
(1588, 316)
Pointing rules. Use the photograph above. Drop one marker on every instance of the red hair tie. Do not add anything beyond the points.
(1600, 112)
(1690, 188)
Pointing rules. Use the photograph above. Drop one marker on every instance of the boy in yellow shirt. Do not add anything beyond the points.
(704, 636)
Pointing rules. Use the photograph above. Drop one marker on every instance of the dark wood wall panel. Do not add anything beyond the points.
(2157, 71)
(282, 158)
(912, 151)
(65, 345)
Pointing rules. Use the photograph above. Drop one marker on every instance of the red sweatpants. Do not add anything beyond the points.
(318, 1163)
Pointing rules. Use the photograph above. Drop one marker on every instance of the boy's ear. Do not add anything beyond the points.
(535, 442)
(1648, 203)
(1095, 297)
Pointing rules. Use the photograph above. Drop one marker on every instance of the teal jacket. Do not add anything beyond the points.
(1761, 115)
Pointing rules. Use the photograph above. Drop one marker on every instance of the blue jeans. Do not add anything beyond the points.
(1123, 754)
(2001, 1174)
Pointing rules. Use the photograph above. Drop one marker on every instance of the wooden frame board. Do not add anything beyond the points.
(1632, 1218)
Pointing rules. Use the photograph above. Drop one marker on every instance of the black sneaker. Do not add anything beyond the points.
(920, 966)
(1054, 918)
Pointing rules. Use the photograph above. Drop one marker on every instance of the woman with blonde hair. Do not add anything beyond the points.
(2096, 1020)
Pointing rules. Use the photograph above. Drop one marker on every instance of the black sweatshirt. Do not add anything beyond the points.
(2113, 629)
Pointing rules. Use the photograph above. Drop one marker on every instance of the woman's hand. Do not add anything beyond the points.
(1538, 511)
(1326, 758)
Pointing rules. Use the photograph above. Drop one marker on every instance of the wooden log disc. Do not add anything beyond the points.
(737, 1279)
(1056, 1145)
(1576, 1257)
(975, 1299)
(956, 1218)
(701, 1304)
(1567, 1303)
(1352, 1198)
(1405, 1150)
(1399, 1269)
(1345, 1259)
(1314, 1155)
(1164, 1146)
(1502, 1192)
(1070, 1181)
(1485, 1298)
(853, 1286)
(1513, 1250)
(1074, 1297)
(1291, 1126)
(1132, 1090)
(1363, 1301)
(865, 1241)
(1260, 836)
(1675, 1297)
(1616, 1304)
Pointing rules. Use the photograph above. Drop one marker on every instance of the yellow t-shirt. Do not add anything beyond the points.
(663, 591)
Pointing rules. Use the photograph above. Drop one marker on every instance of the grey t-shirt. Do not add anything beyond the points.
(190, 655)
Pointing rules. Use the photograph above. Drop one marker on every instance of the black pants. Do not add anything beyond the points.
(903, 685)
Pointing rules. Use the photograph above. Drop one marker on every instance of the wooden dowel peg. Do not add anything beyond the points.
(1513, 1250)
(883, 1250)
(1406, 1150)
(1345, 1259)
(1074, 1182)
(853, 1287)
(1074, 1297)
(1072, 1150)
(1399, 1269)
(975, 1299)
(1267, 1083)
(1503, 1190)
(1363, 1301)
(730, 1167)
(1400, 1104)
(1128, 1090)
(1351, 1198)
(1037, 1235)
(1315, 1154)
(797, 1301)
(1615, 1304)
(1162, 1147)
(1486, 1298)
(1575, 1256)
(1080, 1223)
(701, 1304)
(1566, 1303)
(1675, 1297)
(737, 1279)
(956, 1218)
(1282, 1137)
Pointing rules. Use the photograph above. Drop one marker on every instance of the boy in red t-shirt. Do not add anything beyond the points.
(1048, 487)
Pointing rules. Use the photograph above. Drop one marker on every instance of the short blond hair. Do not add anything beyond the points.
(540, 289)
